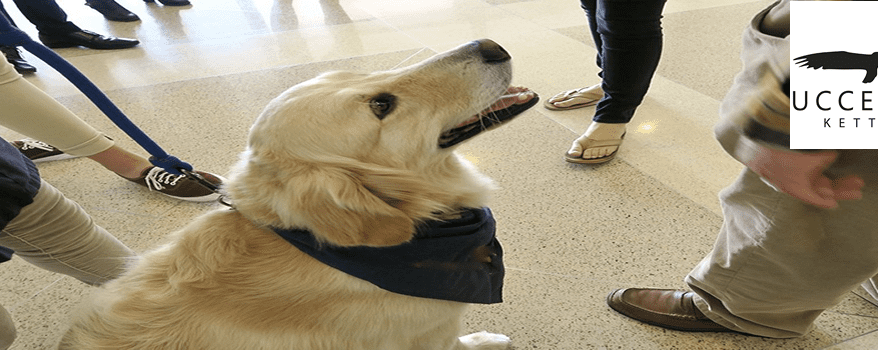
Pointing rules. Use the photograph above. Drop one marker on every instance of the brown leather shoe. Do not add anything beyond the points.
(666, 308)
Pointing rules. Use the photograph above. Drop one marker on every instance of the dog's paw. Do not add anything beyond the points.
(485, 341)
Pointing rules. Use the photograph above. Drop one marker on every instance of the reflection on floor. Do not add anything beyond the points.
(571, 233)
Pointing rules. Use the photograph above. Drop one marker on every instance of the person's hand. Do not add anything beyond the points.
(801, 176)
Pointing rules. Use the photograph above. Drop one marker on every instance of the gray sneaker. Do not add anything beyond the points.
(179, 186)
(39, 151)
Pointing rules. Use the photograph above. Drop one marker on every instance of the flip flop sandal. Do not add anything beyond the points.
(589, 96)
(592, 143)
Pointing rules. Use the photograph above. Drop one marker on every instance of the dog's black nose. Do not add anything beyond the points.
(492, 52)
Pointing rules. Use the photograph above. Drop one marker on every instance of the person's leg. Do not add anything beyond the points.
(55, 31)
(11, 53)
(47, 16)
(112, 10)
(56, 234)
(7, 329)
(31, 112)
(779, 263)
(590, 7)
(590, 95)
(628, 37)
(6, 15)
(631, 44)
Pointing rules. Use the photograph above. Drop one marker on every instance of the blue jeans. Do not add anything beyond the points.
(628, 37)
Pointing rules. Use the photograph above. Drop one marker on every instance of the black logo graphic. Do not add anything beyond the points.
(842, 60)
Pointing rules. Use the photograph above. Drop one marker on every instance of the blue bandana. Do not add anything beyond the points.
(440, 262)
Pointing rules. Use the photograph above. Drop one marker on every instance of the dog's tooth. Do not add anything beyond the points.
(521, 95)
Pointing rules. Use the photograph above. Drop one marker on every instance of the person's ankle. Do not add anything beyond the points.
(133, 172)
(605, 131)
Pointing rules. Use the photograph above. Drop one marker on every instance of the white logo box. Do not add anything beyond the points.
(840, 111)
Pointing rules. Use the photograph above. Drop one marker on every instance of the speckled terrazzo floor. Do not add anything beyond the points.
(571, 233)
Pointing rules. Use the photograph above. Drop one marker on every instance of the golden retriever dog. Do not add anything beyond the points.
(339, 164)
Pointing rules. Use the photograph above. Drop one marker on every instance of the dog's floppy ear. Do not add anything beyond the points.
(345, 210)
(341, 203)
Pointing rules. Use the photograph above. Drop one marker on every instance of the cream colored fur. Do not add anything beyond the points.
(317, 158)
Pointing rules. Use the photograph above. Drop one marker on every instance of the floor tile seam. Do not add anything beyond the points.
(851, 314)
(656, 75)
(164, 213)
(672, 189)
(683, 84)
(717, 8)
(686, 117)
(658, 98)
(669, 187)
(384, 21)
(403, 62)
(92, 209)
(215, 76)
(605, 284)
(581, 278)
(224, 41)
(514, 14)
(440, 46)
(659, 69)
(874, 331)
(860, 297)
(473, 5)
(544, 273)
(260, 34)
(583, 28)
(648, 175)
(34, 295)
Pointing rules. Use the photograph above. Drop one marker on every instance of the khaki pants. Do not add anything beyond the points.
(31, 112)
(779, 263)
(56, 234)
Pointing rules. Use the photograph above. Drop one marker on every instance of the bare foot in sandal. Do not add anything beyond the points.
(573, 99)
(599, 144)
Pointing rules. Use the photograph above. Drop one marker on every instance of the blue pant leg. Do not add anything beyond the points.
(47, 16)
(628, 36)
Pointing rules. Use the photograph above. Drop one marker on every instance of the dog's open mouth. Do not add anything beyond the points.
(511, 104)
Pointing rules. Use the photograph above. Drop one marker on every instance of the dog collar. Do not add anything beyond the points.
(444, 260)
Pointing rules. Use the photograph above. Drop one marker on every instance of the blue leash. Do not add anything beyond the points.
(11, 36)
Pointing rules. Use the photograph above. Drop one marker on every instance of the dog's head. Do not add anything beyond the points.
(359, 159)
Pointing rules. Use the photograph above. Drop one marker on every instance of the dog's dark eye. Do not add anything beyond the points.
(382, 105)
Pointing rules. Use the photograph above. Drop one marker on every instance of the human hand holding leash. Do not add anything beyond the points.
(801, 175)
